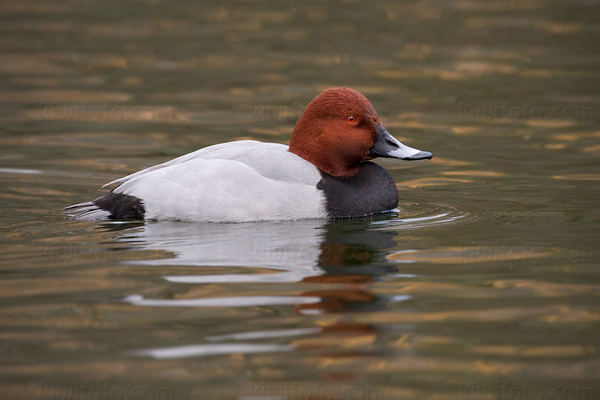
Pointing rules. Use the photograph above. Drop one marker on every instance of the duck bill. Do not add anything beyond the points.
(388, 146)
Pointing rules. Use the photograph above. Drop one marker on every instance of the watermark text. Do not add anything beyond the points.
(473, 112)
(298, 390)
(509, 391)
(97, 391)
(104, 113)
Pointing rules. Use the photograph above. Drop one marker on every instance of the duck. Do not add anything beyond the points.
(325, 172)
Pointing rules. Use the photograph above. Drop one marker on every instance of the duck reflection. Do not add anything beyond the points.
(335, 262)
(343, 256)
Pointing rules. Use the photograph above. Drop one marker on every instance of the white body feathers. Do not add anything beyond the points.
(233, 182)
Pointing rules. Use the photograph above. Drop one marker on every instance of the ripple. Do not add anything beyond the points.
(210, 350)
(461, 255)
(240, 301)
(424, 182)
(19, 171)
(418, 216)
(578, 177)
(266, 334)
(291, 276)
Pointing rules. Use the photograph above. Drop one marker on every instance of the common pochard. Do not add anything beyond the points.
(325, 172)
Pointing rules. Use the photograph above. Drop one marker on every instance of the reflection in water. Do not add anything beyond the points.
(210, 350)
(289, 247)
(344, 257)
(240, 301)
(296, 250)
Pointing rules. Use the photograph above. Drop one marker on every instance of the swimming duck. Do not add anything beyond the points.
(325, 172)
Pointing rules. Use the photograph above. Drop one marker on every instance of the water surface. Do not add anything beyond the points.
(484, 284)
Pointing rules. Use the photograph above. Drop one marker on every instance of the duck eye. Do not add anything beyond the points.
(351, 119)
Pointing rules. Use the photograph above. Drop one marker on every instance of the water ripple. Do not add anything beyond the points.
(240, 301)
(201, 350)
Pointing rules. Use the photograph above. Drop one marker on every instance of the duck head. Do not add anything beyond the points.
(340, 129)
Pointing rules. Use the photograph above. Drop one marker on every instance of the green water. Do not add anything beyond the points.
(485, 285)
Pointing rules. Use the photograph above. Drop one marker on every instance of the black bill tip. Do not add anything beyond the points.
(422, 155)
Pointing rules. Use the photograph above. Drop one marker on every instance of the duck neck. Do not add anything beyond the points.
(332, 164)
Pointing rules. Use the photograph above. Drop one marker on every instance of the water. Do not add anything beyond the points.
(484, 285)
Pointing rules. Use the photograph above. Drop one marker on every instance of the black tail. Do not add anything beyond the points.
(111, 205)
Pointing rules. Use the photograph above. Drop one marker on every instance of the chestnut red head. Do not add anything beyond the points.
(339, 129)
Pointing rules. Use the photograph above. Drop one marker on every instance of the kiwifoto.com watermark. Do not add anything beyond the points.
(510, 391)
(263, 112)
(301, 391)
(95, 391)
(105, 113)
(508, 252)
(474, 112)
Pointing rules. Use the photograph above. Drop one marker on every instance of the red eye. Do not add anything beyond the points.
(351, 119)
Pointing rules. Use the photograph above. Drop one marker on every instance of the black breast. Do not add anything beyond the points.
(371, 190)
